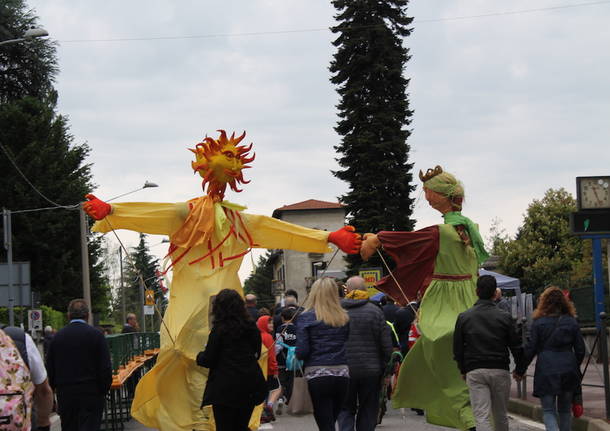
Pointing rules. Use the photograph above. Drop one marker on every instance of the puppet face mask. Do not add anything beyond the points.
(220, 162)
(437, 201)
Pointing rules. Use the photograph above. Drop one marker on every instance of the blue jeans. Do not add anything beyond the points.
(554, 406)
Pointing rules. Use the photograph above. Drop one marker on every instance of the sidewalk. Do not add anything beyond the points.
(594, 418)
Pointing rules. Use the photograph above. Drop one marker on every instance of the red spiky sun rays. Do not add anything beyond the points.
(220, 162)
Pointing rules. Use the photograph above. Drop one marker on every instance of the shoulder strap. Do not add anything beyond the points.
(18, 336)
(394, 333)
(286, 346)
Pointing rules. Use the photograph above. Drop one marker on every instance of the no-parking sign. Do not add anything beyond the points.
(35, 320)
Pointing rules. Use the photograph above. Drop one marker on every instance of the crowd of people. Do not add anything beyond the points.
(343, 341)
(339, 346)
(339, 341)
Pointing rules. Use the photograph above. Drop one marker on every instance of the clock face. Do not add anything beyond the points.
(595, 192)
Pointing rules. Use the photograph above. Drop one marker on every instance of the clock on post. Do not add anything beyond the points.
(593, 201)
(593, 193)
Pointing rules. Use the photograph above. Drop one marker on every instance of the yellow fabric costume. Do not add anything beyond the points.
(169, 396)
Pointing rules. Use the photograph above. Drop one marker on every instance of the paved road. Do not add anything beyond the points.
(394, 420)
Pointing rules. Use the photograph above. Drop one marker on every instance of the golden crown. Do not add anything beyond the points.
(430, 173)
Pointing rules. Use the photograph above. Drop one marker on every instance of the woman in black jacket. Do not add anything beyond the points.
(558, 343)
(235, 383)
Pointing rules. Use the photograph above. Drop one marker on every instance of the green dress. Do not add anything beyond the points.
(429, 378)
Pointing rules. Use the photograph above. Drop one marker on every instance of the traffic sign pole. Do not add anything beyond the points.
(8, 245)
(598, 280)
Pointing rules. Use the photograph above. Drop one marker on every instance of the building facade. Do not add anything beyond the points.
(297, 270)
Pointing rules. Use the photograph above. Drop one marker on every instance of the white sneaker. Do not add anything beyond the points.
(280, 407)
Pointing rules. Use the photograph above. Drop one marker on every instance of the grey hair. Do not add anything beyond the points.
(355, 283)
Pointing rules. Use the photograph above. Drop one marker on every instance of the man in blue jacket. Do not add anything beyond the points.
(368, 348)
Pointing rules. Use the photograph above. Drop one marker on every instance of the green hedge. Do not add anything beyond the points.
(21, 316)
(55, 318)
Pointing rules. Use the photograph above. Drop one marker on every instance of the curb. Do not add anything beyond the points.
(534, 411)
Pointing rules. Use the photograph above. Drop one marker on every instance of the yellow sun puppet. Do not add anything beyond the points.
(209, 238)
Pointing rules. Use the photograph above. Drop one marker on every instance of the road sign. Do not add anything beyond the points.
(149, 297)
(21, 284)
(149, 310)
(35, 320)
(371, 277)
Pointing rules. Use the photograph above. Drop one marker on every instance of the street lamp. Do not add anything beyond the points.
(28, 35)
(85, 249)
(147, 185)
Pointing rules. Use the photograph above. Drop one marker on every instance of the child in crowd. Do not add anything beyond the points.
(285, 335)
(265, 326)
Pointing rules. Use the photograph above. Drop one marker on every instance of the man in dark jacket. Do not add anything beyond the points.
(290, 301)
(131, 324)
(368, 348)
(389, 309)
(79, 369)
(483, 336)
(402, 324)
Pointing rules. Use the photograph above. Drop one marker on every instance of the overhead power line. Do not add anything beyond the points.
(324, 29)
(55, 204)
(31, 210)
(515, 12)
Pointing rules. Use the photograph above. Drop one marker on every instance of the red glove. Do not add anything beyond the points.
(96, 208)
(346, 239)
(577, 410)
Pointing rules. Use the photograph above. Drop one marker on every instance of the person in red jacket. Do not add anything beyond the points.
(265, 326)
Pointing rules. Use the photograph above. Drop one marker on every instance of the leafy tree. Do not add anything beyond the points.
(497, 237)
(374, 113)
(139, 263)
(260, 282)
(544, 251)
(26, 68)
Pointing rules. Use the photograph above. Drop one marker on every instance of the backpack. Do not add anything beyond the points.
(16, 388)
(292, 363)
(18, 336)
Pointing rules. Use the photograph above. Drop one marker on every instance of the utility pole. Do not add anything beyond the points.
(143, 304)
(84, 253)
(8, 246)
(123, 306)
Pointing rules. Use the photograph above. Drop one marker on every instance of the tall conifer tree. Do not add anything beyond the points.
(35, 142)
(374, 114)
(26, 68)
(140, 262)
(260, 282)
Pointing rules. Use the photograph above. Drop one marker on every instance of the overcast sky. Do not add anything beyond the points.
(511, 104)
